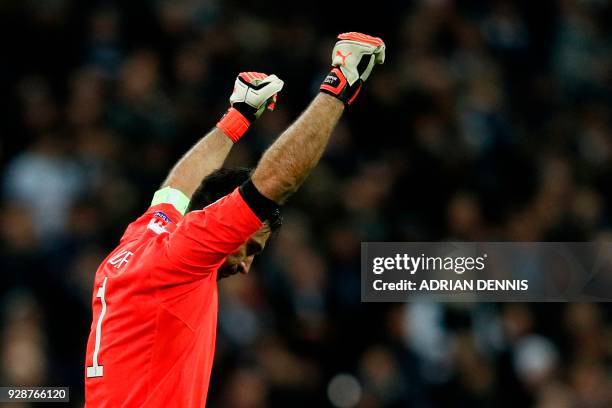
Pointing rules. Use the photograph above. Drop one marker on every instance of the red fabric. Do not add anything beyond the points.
(234, 124)
(159, 328)
(251, 76)
(368, 39)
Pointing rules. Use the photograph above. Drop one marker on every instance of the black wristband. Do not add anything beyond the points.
(336, 85)
(261, 205)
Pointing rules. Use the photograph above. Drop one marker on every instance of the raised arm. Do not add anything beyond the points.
(207, 155)
(253, 93)
(287, 163)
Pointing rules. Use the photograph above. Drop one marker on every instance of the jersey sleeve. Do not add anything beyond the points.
(204, 238)
(167, 207)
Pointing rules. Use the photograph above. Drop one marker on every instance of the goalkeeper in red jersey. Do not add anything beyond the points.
(153, 331)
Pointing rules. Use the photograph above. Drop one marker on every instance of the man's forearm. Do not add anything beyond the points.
(287, 163)
(202, 159)
(253, 93)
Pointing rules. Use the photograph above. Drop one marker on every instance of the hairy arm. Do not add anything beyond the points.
(287, 163)
(207, 155)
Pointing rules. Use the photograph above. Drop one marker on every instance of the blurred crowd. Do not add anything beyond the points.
(490, 120)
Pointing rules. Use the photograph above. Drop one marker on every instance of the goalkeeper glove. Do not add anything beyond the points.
(253, 93)
(353, 59)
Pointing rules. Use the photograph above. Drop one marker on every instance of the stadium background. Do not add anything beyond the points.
(489, 121)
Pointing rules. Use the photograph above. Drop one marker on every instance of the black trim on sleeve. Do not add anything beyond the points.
(261, 205)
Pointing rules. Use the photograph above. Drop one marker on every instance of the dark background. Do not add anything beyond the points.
(490, 120)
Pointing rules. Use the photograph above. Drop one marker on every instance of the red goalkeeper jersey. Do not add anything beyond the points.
(153, 332)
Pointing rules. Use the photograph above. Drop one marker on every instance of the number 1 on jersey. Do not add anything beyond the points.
(96, 370)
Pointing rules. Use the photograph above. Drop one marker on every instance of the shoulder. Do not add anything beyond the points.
(166, 210)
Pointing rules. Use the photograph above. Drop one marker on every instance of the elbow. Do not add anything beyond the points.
(286, 188)
(277, 189)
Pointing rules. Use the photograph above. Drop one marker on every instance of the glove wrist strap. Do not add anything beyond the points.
(335, 84)
(233, 124)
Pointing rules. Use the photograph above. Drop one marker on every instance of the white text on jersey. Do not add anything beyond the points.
(120, 259)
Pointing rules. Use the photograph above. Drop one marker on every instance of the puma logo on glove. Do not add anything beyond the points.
(349, 72)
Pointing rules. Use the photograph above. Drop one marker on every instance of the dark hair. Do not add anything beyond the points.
(220, 183)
